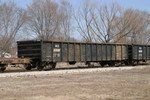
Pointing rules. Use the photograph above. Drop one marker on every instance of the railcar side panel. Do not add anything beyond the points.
(77, 52)
(144, 52)
(141, 52)
(148, 52)
(88, 52)
(50, 51)
(47, 52)
(55, 51)
(83, 52)
(71, 52)
(94, 52)
(99, 52)
(64, 52)
(124, 52)
(136, 53)
(109, 52)
(113, 52)
(104, 51)
(29, 49)
(118, 52)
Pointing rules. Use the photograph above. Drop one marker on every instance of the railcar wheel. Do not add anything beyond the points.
(50, 66)
(40, 68)
(102, 64)
(72, 63)
(126, 62)
(111, 63)
(53, 65)
(88, 64)
(28, 66)
(2, 69)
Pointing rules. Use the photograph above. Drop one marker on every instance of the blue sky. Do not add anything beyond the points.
(138, 4)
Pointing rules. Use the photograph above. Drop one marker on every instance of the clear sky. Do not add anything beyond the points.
(136, 4)
(139, 4)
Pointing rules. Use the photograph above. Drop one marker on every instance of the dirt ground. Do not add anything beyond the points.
(113, 85)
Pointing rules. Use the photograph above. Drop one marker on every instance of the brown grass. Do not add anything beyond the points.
(114, 85)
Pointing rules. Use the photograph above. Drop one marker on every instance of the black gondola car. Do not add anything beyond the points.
(45, 54)
(138, 53)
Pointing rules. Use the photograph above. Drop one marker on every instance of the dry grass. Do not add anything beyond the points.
(115, 85)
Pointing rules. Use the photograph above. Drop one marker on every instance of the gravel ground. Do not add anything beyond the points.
(122, 83)
(70, 71)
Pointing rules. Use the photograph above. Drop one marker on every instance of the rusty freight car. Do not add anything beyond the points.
(4, 62)
(45, 54)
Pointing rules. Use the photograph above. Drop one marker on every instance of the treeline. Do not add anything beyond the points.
(51, 20)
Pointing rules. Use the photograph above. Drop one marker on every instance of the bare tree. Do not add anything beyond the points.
(103, 24)
(112, 23)
(66, 26)
(127, 22)
(49, 19)
(83, 19)
(42, 18)
(136, 26)
(140, 33)
(11, 20)
(96, 22)
(109, 23)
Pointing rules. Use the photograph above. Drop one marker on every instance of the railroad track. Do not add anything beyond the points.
(75, 70)
(14, 70)
(21, 69)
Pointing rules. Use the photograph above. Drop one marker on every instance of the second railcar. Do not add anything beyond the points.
(45, 54)
(138, 53)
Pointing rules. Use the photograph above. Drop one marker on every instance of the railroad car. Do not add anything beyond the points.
(137, 53)
(4, 62)
(45, 54)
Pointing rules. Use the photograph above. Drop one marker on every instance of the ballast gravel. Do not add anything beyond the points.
(70, 71)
